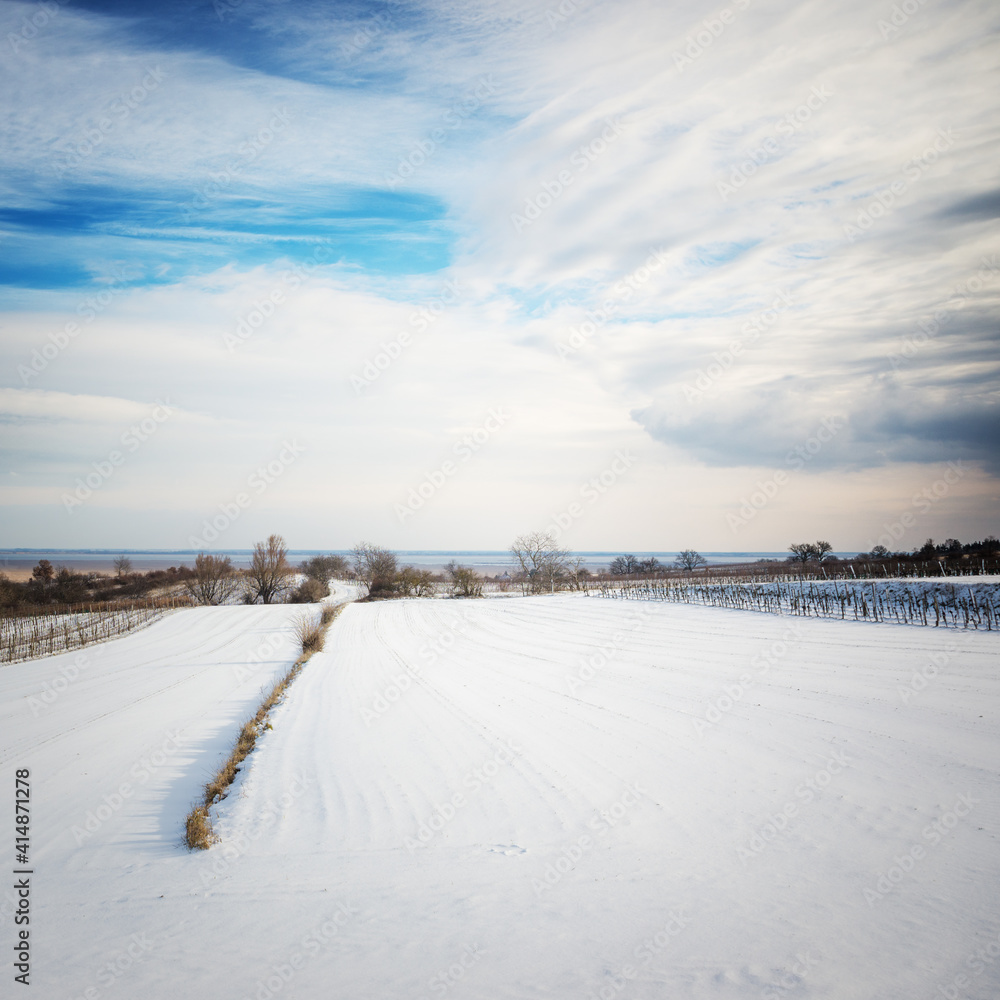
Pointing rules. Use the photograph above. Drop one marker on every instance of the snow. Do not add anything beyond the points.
(466, 798)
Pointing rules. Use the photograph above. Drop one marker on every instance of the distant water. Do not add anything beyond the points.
(486, 561)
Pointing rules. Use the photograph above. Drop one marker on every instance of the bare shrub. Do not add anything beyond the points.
(215, 580)
(465, 581)
(310, 591)
(413, 582)
(325, 568)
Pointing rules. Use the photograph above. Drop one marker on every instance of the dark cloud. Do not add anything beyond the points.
(793, 427)
(980, 206)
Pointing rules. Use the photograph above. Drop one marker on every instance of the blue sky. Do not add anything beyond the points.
(752, 247)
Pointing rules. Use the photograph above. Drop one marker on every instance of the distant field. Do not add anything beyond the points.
(550, 797)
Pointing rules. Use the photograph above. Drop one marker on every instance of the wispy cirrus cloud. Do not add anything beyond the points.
(535, 156)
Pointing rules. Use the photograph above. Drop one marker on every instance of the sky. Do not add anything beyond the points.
(435, 274)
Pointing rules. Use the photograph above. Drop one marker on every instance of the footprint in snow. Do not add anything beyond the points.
(506, 849)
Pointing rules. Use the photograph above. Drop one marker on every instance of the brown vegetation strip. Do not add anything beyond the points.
(199, 834)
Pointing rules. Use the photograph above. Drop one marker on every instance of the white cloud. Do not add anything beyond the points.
(799, 153)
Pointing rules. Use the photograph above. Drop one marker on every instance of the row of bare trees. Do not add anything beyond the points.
(270, 578)
(543, 567)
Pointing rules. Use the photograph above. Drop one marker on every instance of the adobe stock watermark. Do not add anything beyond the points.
(929, 327)
(262, 310)
(785, 126)
(701, 39)
(444, 979)
(141, 771)
(797, 459)
(750, 332)
(368, 30)
(463, 449)
(225, 855)
(777, 823)
(103, 470)
(792, 979)
(977, 963)
(623, 289)
(119, 110)
(591, 491)
(224, 7)
(552, 190)
(400, 683)
(57, 685)
(600, 824)
(556, 17)
(473, 782)
(921, 679)
(770, 656)
(136, 950)
(88, 309)
(32, 24)
(265, 652)
(899, 15)
(322, 936)
(430, 652)
(885, 199)
(453, 120)
(656, 943)
(421, 321)
(258, 481)
(592, 663)
(904, 864)
(247, 154)
(921, 502)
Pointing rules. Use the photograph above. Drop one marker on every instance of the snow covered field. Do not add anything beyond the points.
(555, 797)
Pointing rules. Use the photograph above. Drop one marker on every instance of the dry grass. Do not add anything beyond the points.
(310, 632)
(199, 834)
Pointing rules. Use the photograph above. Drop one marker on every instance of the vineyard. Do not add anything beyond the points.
(42, 631)
(903, 602)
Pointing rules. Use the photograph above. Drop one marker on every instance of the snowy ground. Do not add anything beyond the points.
(468, 799)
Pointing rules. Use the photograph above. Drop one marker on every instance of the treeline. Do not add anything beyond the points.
(950, 549)
(49, 586)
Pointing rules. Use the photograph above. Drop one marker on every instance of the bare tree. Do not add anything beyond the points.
(689, 560)
(270, 576)
(375, 567)
(623, 565)
(802, 552)
(541, 562)
(577, 574)
(122, 566)
(214, 581)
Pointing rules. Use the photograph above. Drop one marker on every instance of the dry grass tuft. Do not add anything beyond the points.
(310, 633)
(199, 834)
